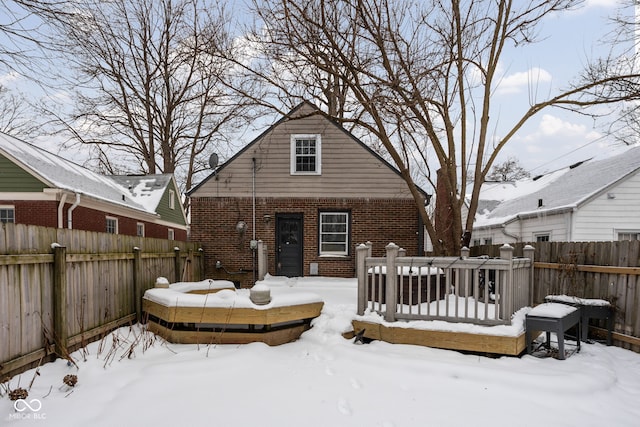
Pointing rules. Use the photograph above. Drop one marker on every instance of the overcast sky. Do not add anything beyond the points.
(553, 138)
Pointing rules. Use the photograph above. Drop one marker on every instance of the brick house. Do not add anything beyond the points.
(310, 191)
(40, 188)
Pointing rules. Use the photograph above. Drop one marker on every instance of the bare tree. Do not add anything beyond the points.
(509, 170)
(422, 76)
(148, 96)
(16, 115)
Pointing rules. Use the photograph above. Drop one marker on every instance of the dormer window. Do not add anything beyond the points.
(305, 155)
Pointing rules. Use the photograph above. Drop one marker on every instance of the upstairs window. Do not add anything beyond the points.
(305, 155)
(172, 199)
(7, 214)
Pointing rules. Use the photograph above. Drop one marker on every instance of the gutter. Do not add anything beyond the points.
(60, 210)
(70, 211)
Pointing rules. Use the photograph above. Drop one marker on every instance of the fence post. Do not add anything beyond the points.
(137, 283)
(362, 252)
(262, 260)
(391, 280)
(507, 294)
(60, 299)
(201, 275)
(369, 246)
(177, 264)
(529, 252)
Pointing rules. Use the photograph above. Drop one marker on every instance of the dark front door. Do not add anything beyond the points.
(289, 240)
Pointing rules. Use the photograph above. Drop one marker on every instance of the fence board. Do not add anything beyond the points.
(601, 270)
(99, 283)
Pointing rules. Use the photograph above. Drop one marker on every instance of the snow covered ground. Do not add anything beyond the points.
(324, 380)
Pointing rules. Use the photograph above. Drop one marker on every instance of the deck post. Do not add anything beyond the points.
(508, 293)
(465, 252)
(362, 252)
(369, 246)
(391, 280)
(529, 252)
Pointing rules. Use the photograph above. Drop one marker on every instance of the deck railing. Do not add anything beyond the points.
(478, 290)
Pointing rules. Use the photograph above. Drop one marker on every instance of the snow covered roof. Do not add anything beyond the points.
(567, 188)
(57, 172)
(146, 190)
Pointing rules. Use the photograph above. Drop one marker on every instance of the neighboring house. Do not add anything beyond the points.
(310, 191)
(40, 188)
(594, 200)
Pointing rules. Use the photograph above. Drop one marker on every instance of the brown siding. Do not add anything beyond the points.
(348, 168)
(377, 220)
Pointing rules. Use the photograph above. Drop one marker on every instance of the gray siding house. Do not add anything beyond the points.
(594, 200)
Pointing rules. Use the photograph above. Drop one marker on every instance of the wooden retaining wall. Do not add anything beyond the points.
(60, 288)
(602, 270)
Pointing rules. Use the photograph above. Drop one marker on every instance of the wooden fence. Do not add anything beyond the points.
(481, 290)
(601, 270)
(60, 288)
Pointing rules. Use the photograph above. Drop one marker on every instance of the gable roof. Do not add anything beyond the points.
(57, 172)
(559, 191)
(291, 115)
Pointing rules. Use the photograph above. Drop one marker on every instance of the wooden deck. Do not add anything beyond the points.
(229, 325)
(462, 341)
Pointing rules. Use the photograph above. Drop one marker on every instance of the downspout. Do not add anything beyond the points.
(504, 231)
(253, 227)
(70, 211)
(60, 210)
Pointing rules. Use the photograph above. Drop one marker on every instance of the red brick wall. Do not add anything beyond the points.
(213, 224)
(45, 213)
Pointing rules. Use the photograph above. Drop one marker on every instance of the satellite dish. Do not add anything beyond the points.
(213, 161)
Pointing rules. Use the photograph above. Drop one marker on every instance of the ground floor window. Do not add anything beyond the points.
(334, 233)
(542, 238)
(140, 229)
(171, 235)
(112, 225)
(7, 214)
(629, 235)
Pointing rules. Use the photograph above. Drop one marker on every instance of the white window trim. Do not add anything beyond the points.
(542, 234)
(140, 224)
(172, 199)
(10, 207)
(347, 234)
(618, 232)
(113, 218)
(171, 234)
(292, 159)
